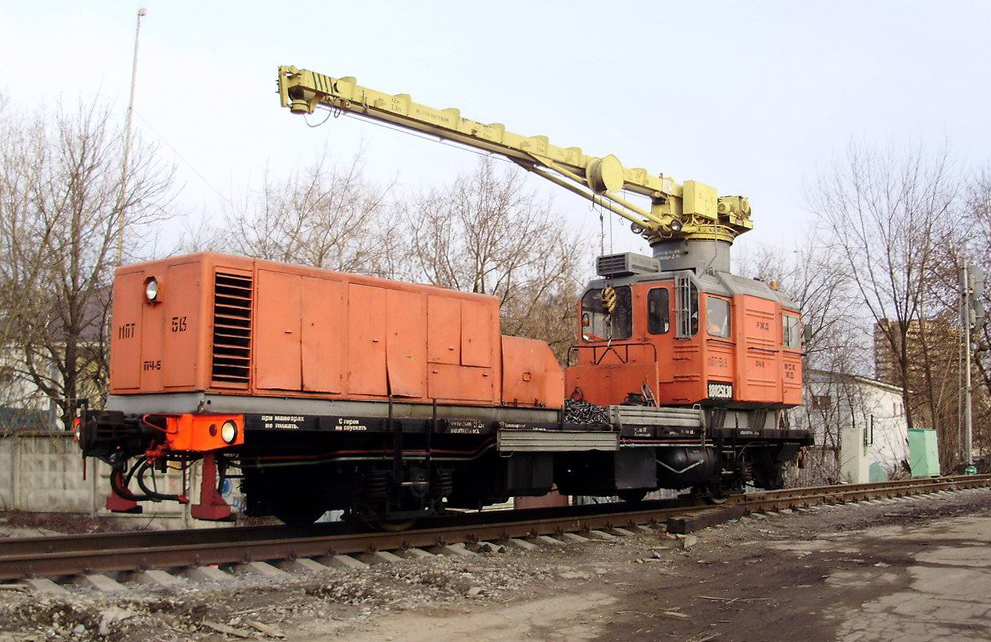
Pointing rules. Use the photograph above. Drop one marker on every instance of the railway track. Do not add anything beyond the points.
(207, 553)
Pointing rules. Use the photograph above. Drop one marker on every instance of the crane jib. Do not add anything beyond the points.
(689, 210)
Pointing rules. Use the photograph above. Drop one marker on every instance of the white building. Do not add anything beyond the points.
(21, 402)
(861, 420)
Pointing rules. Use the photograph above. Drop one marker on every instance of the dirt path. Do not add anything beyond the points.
(856, 574)
(564, 617)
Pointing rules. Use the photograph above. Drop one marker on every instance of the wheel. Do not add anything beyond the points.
(391, 526)
(632, 495)
(298, 514)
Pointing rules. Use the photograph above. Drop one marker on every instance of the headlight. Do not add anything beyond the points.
(151, 290)
(228, 432)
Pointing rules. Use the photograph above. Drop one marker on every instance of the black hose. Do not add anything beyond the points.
(153, 495)
(122, 490)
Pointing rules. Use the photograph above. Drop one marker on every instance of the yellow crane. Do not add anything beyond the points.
(678, 211)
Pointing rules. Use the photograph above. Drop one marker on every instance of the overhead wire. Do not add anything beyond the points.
(181, 157)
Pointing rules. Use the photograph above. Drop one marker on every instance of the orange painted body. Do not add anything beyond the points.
(200, 433)
(678, 371)
(235, 325)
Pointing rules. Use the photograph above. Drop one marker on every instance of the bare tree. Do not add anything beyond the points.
(487, 233)
(888, 215)
(21, 233)
(325, 215)
(62, 196)
(816, 279)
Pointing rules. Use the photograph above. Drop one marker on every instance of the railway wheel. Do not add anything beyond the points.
(632, 495)
(392, 525)
(298, 512)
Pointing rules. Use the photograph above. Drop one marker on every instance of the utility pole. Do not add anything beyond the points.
(971, 313)
(968, 454)
(142, 12)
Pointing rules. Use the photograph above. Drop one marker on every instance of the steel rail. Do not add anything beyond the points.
(135, 539)
(98, 553)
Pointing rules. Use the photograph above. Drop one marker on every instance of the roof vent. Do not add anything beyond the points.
(626, 264)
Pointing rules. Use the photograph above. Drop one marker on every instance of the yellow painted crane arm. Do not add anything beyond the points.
(688, 210)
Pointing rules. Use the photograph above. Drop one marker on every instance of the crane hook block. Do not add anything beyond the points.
(609, 297)
(605, 174)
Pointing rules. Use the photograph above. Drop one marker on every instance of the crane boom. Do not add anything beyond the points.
(680, 211)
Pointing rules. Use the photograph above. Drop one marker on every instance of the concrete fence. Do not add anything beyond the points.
(42, 471)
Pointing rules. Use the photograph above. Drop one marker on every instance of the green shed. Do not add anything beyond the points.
(877, 473)
(923, 452)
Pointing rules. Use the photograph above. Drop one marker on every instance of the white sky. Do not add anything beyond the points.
(752, 97)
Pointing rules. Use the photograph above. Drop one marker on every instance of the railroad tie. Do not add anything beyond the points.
(101, 583)
(450, 549)
(379, 557)
(303, 565)
(342, 561)
(43, 585)
(572, 537)
(155, 577)
(208, 574)
(522, 544)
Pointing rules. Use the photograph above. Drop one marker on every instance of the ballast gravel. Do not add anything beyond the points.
(615, 589)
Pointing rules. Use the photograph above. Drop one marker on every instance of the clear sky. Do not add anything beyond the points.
(752, 97)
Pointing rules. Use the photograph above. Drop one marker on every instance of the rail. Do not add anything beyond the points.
(72, 555)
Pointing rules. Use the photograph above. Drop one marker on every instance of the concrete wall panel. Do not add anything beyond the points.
(42, 471)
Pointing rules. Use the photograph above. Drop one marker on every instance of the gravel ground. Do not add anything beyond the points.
(15, 523)
(752, 579)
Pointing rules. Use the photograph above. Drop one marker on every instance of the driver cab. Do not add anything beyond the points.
(682, 339)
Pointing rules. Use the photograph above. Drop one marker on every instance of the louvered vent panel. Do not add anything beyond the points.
(231, 328)
(611, 265)
(626, 264)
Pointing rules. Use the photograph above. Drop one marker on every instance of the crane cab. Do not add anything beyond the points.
(683, 338)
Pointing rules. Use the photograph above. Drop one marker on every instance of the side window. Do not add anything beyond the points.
(598, 325)
(717, 317)
(790, 331)
(658, 311)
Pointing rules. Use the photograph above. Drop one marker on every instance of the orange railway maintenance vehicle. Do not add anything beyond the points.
(322, 390)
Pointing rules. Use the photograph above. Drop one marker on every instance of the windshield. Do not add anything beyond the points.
(598, 325)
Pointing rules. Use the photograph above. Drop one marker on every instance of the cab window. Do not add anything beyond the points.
(658, 311)
(791, 334)
(599, 325)
(717, 317)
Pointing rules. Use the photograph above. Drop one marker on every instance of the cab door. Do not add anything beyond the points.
(720, 348)
(654, 300)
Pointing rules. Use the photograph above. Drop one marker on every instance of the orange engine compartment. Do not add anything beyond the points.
(235, 325)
